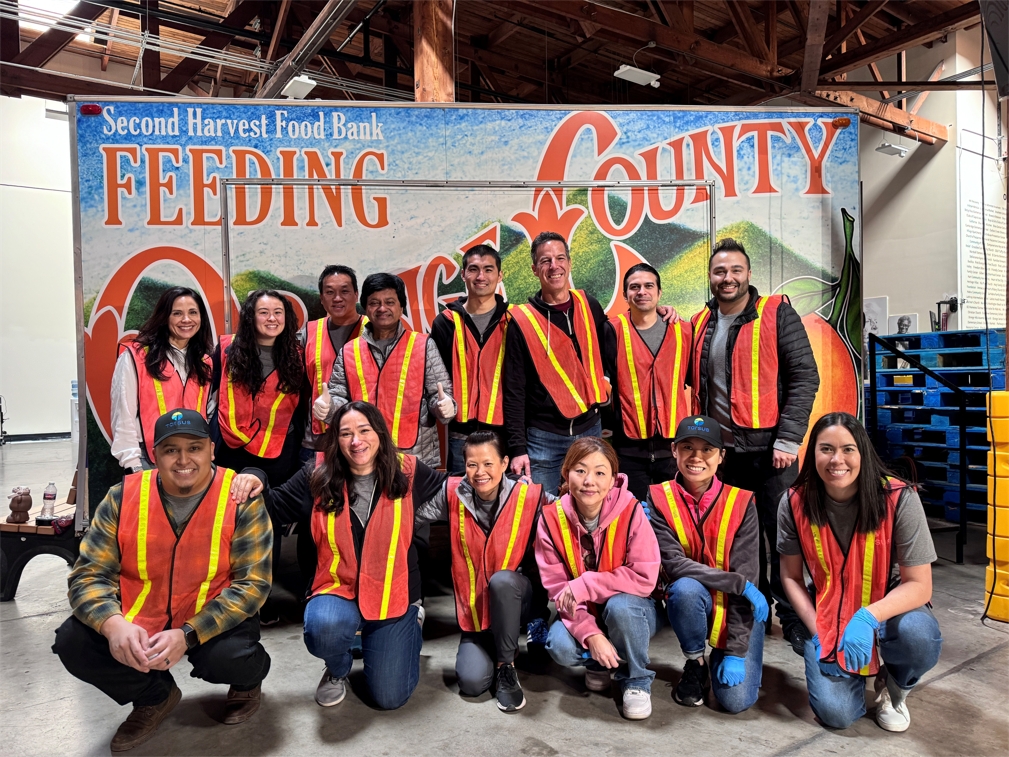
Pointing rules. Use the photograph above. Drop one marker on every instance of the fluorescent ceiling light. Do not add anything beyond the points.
(637, 75)
(298, 87)
(887, 149)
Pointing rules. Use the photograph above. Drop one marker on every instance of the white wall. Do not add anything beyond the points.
(38, 353)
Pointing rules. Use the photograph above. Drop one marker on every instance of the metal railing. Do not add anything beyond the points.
(872, 423)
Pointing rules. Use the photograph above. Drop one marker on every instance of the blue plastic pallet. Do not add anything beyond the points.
(976, 359)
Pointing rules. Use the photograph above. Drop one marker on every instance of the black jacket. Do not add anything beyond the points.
(526, 401)
(798, 378)
(443, 334)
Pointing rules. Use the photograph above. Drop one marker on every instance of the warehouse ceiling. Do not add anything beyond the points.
(724, 52)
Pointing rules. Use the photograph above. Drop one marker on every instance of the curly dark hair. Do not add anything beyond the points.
(244, 365)
(329, 479)
(154, 336)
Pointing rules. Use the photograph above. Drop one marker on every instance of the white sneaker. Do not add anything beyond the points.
(637, 704)
(331, 690)
(891, 705)
(597, 680)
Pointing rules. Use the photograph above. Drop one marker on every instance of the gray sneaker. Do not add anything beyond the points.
(331, 690)
(597, 680)
(637, 704)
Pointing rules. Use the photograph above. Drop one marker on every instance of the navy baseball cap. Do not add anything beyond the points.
(180, 421)
(699, 427)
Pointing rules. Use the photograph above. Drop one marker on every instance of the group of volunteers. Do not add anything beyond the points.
(694, 510)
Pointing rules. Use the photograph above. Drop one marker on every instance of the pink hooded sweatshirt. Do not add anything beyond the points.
(638, 576)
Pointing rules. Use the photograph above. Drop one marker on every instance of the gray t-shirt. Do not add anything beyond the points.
(481, 321)
(912, 541)
(180, 509)
(484, 512)
(266, 358)
(654, 335)
(339, 335)
(719, 406)
(364, 493)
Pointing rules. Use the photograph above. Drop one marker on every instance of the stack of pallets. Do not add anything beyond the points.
(920, 419)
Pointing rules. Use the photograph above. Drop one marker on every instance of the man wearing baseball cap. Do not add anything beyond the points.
(170, 565)
(708, 539)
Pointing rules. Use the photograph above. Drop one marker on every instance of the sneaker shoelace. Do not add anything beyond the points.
(507, 676)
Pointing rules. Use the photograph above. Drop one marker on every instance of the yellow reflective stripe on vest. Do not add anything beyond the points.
(199, 401)
(553, 358)
(469, 566)
(331, 538)
(496, 385)
(319, 332)
(590, 342)
(160, 394)
(820, 556)
(516, 522)
(674, 393)
(755, 366)
(680, 534)
(720, 556)
(870, 552)
(402, 387)
(269, 426)
(360, 369)
(635, 389)
(390, 563)
(215, 539)
(231, 412)
(566, 536)
(701, 322)
(145, 497)
(611, 532)
(460, 346)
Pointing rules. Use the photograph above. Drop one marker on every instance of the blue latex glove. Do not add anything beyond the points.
(732, 671)
(858, 639)
(827, 668)
(752, 593)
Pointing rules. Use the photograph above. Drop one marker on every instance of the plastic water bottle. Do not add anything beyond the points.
(49, 502)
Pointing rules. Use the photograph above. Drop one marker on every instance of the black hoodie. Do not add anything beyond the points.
(526, 401)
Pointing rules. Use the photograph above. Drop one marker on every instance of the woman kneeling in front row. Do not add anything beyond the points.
(360, 494)
(599, 563)
(850, 521)
(709, 539)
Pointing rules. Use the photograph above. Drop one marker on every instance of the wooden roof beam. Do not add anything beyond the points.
(887, 117)
(10, 38)
(952, 20)
(51, 41)
(816, 28)
(855, 23)
(742, 19)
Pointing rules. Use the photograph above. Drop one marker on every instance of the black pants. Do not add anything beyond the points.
(234, 657)
(511, 604)
(754, 471)
(642, 472)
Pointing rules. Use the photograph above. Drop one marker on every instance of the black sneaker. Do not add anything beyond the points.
(509, 693)
(269, 614)
(693, 686)
(797, 635)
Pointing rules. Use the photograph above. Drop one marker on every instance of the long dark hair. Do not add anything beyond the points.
(154, 336)
(329, 479)
(244, 365)
(873, 476)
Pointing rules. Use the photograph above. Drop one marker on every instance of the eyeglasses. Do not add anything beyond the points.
(588, 552)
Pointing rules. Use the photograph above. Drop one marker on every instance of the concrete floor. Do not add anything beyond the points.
(960, 708)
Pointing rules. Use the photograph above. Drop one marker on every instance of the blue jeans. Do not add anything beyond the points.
(909, 644)
(455, 463)
(391, 648)
(630, 622)
(546, 453)
(689, 606)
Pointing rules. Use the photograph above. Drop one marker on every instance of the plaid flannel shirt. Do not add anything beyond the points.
(94, 581)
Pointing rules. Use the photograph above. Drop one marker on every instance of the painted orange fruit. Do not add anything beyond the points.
(839, 386)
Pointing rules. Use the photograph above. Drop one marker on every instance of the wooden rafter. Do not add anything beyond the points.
(113, 20)
(742, 19)
(771, 29)
(853, 24)
(10, 38)
(936, 73)
(888, 117)
(816, 28)
(278, 31)
(51, 41)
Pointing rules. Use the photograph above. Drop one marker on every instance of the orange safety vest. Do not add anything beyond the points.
(477, 556)
(652, 393)
(396, 389)
(164, 579)
(378, 578)
(155, 398)
(319, 358)
(754, 391)
(710, 542)
(614, 552)
(259, 422)
(476, 381)
(574, 384)
(845, 583)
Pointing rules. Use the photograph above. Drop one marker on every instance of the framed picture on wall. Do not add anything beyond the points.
(875, 311)
(903, 324)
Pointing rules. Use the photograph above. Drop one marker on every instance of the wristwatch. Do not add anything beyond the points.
(192, 640)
